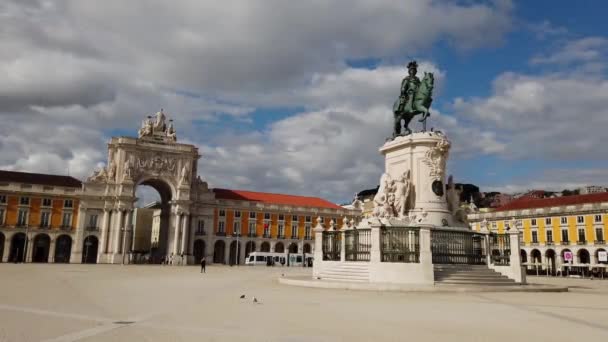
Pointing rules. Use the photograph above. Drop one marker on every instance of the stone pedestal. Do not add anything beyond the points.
(424, 155)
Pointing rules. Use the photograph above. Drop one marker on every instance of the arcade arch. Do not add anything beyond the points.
(41, 247)
(16, 253)
(151, 222)
(63, 249)
(2, 240)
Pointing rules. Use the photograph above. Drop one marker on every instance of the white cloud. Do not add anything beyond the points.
(584, 50)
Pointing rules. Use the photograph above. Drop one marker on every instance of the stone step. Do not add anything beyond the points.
(473, 279)
(486, 282)
(458, 273)
(474, 275)
(351, 280)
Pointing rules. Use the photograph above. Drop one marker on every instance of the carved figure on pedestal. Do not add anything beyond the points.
(159, 124)
(112, 171)
(171, 132)
(184, 179)
(402, 192)
(128, 170)
(436, 158)
(382, 196)
(146, 127)
(98, 176)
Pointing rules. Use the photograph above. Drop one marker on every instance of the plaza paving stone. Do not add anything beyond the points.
(40, 302)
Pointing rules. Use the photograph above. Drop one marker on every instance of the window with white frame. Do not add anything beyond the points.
(22, 217)
(307, 232)
(294, 218)
(200, 226)
(281, 217)
(252, 215)
(237, 228)
(597, 218)
(494, 224)
(24, 201)
(533, 222)
(549, 235)
(45, 219)
(599, 234)
(221, 227)
(66, 220)
(266, 216)
(565, 237)
(547, 221)
(266, 228)
(47, 202)
(580, 219)
(564, 220)
(281, 230)
(308, 219)
(2, 199)
(581, 235)
(534, 236)
(93, 221)
(68, 203)
(237, 213)
(222, 213)
(252, 228)
(294, 229)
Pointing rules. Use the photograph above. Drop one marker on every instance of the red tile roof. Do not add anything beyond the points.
(264, 197)
(531, 203)
(39, 178)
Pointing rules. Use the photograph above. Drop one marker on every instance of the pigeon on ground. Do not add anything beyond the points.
(242, 296)
(255, 300)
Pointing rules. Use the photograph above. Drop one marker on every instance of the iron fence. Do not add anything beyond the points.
(357, 244)
(331, 245)
(457, 247)
(500, 247)
(400, 244)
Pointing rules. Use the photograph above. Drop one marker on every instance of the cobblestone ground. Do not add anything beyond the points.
(156, 303)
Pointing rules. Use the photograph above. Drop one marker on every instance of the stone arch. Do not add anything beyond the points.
(2, 240)
(219, 252)
(90, 246)
(235, 253)
(249, 248)
(17, 249)
(293, 247)
(279, 247)
(41, 247)
(536, 256)
(265, 247)
(583, 256)
(523, 255)
(63, 249)
(199, 250)
(551, 256)
(307, 248)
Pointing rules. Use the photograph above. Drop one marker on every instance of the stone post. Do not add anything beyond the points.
(104, 233)
(517, 270)
(342, 245)
(375, 254)
(318, 253)
(426, 255)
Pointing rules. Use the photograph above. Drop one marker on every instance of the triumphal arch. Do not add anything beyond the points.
(155, 159)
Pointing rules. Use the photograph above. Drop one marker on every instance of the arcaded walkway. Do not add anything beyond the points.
(155, 303)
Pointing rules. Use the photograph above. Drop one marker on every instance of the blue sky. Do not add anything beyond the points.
(296, 97)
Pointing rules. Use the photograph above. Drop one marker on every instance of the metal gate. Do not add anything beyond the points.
(331, 245)
(500, 249)
(457, 247)
(357, 244)
(400, 244)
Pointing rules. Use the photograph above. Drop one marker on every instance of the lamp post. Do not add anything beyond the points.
(25, 245)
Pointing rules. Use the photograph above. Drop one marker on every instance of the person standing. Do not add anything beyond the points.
(203, 264)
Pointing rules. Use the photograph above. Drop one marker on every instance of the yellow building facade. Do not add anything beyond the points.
(560, 231)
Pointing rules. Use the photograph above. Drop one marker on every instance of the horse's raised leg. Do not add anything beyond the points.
(406, 122)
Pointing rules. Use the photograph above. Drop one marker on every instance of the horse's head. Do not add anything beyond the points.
(429, 79)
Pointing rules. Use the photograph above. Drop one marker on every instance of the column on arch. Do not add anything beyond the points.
(185, 232)
(105, 223)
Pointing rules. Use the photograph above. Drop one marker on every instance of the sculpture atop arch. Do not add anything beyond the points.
(156, 128)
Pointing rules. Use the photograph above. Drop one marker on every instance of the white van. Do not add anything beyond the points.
(264, 258)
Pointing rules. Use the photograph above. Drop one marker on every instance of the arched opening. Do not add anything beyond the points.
(293, 248)
(41, 247)
(249, 247)
(535, 256)
(265, 247)
(279, 248)
(550, 256)
(17, 252)
(583, 256)
(2, 239)
(307, 248)
(199, 250)
(235, 253)
(597, 256)
(90, 246)
(63, 248)
(523, 256)
(151, 236)
(219, 251)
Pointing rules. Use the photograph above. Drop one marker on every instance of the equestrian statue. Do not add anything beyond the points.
(415, 98)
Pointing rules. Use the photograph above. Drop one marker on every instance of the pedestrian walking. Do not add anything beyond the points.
(203, 264)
